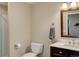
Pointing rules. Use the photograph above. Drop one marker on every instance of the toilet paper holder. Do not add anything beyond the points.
(17, 46)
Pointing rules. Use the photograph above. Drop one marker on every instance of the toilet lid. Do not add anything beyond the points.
(30, 54)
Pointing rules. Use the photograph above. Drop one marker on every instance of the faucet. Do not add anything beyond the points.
(73, 41)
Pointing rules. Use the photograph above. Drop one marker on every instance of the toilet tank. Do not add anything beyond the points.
(37, 48)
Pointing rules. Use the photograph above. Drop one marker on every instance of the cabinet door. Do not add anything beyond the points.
(58, 52)
(74, 53)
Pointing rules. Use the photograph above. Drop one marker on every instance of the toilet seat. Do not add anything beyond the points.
(30, 54)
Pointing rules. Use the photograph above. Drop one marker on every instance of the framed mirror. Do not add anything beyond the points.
(70, 23)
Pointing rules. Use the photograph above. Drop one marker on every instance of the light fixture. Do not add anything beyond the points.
(73, 5)
(64, 6)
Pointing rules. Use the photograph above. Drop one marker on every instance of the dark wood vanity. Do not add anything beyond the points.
(61, 52)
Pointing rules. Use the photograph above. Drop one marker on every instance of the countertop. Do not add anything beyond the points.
(62, 45)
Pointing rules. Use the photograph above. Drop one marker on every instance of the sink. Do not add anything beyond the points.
(71, 44)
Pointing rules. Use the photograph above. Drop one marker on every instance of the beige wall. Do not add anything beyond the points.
(43, 15)
(19, 27)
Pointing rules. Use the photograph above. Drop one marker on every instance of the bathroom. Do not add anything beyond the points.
(30, 22)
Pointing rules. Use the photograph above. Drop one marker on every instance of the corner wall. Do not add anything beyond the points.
(43, 15)
(19, 20)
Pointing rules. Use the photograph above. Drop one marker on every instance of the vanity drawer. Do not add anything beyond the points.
(58, 52)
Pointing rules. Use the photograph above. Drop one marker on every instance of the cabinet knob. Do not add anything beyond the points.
(60, 52)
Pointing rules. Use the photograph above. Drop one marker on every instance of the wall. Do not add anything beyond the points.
(19, 22)
(43, 15)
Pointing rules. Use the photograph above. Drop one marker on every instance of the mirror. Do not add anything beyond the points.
(70, 23)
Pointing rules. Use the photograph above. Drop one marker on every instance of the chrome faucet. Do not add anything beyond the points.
(73, 41)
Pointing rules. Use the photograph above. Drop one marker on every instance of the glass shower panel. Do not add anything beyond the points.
(3, 37)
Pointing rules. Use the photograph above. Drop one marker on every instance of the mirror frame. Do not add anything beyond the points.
(61, 14)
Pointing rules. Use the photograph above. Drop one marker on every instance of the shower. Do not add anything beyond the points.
(3, 32)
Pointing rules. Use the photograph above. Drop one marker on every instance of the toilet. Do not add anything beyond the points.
(36, 48)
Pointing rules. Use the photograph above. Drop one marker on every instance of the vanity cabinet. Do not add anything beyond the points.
(61, 52)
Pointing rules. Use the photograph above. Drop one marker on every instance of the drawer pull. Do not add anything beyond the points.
(60, 52)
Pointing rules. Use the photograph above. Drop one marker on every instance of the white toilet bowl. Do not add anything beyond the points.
(36, 50)
(30, 54)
